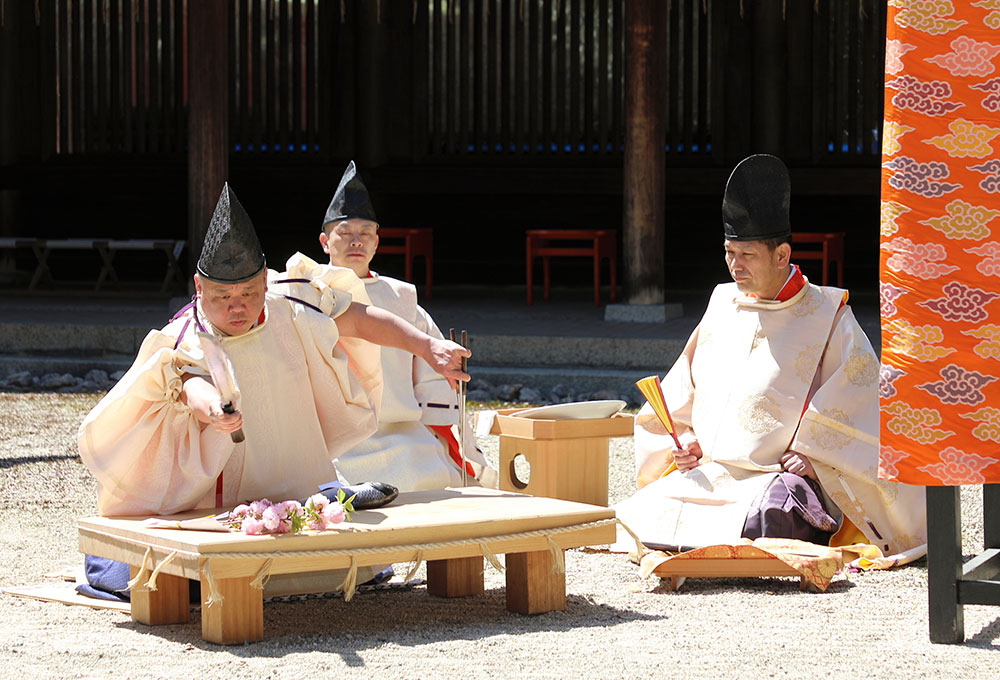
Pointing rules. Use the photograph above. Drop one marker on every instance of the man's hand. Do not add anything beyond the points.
(689, 455)
(445, 357)
(798, 464)
(206, 404)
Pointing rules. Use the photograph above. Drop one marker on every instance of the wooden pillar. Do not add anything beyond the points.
(645, 138)
(9, 95)
(770, 77)
(369, 82)
(208, 115)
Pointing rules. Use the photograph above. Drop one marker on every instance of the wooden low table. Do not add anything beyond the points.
(449, 528)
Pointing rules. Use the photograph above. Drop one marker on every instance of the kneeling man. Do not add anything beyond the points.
(416, 445)
(775, 401)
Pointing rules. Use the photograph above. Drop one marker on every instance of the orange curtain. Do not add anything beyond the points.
(940, 244)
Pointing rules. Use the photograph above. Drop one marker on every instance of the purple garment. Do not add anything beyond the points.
(790, 507)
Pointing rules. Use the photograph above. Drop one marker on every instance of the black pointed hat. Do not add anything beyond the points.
(231, 252)
(351, 199)
(755, 206)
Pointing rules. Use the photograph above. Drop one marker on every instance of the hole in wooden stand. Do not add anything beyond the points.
(520, 471)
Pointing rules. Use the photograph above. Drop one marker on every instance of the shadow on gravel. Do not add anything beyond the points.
(407, 619)
(987, 638)
(762, 586)
(24, 460)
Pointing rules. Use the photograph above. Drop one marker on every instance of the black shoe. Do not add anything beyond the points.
(367, 496)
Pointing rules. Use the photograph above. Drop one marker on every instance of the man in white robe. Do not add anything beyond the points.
(774, 399)
(160, 441)
(416, 445)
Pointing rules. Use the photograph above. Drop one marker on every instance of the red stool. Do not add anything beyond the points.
(602, 244)
(415, 243)
(831, 249)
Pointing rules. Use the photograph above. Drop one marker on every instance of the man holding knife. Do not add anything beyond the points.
(160, 441)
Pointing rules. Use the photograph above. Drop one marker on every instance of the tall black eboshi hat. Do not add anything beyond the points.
(350, 200)
(231, 252)
(755, 206)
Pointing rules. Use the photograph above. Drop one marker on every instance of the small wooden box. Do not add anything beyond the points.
(568, 459)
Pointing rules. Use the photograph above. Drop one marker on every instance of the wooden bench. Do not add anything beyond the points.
(447, 527)
(827, 248)
(600, 244)
(951, 583)
(106, 249)
(415, 243)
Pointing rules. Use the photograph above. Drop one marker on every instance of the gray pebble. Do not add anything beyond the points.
(601, 395)
(51, 381)
(117, 375)
(480, 385)
(97, 376)
(561, 391)
(478, 395)
(20, 379)
(508, 392)
(530, 395)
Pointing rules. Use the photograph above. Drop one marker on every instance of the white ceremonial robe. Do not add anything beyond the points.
(301, 406)
(757, 379)
(403, 452)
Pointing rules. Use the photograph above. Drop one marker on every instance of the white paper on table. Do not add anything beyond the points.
(207, 523)
(484, 422)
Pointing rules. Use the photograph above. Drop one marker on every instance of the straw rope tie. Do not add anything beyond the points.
(349, 585)
(151, 583)
(418, 546)
(137, 579)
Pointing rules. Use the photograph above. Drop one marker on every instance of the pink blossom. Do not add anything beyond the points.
(318, 502)
(240, 511)
(333, 513)
(317, 523)
(258, 507)
(252, 526)
(289, 508)
(271, 517)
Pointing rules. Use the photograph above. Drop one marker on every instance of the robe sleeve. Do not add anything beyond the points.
(332, 290)
(653, 444)
(838, 432)
(148, 452)
(437, 400)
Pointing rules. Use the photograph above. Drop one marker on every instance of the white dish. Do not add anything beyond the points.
(577, 410)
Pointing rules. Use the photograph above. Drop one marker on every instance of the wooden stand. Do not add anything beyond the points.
(416, 243)
(598, 244)
(448, 527)
(568, 459)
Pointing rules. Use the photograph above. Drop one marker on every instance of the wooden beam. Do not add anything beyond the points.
(645, 136)
(770, 77)
(208, 117)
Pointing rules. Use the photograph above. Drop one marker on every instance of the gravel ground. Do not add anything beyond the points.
(616, 625)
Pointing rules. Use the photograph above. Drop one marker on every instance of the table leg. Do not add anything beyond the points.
(42, 272)
(944, 564)
(169, 603)
(107, 266)
(529, 252)
(238, 617)
(597, 272)
(532, 587)
(456, 577)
